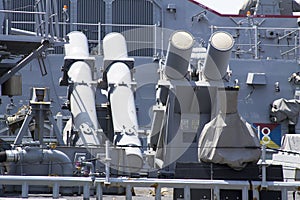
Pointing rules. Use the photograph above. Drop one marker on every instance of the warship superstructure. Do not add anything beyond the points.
(101, 96)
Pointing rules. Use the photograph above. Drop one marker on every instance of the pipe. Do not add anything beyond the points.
(60, 158)
(33, 155)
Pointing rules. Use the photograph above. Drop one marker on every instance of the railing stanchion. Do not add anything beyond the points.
(187, 192)
(55, 190)
(99, 192)
(128, 192)
(158, 192)
(216, 193)
(25, 189)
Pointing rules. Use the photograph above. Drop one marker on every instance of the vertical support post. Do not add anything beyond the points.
(296, 47)
(36, 20)
(284, 194)
(255, 193)
(128, 192)
(107, 161)
(99, 38)
(56, 24)
(155, 40)
(73, 15)
(47, 18)
(8, 16)
(86, 191)
(6, 27)
(216, 193)
(64, 23)
(298, 42)
(245, 193)
(51, 24)
(55, 191)
(40, 23)
(158, 192)
(99, 191)
(264, 167)
(25, 188)
(256, 7)
(187, 193)
(108, 15)
(59, 121)
(256, 41)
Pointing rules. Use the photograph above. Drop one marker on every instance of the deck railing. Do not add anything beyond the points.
(251, 42)
(99, 185)
(45, 20)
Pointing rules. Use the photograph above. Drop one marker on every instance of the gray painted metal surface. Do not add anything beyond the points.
(263, 59)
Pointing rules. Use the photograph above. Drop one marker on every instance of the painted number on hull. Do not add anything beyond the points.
(265, 131)
(269, 134)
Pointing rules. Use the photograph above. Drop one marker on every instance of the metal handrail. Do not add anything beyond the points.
(42, 18)
(253, 45)
(22, 12)
(187, 184)
(54, 182)
(290, 50)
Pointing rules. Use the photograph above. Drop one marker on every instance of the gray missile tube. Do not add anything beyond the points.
(218, 55)
(179, 54)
